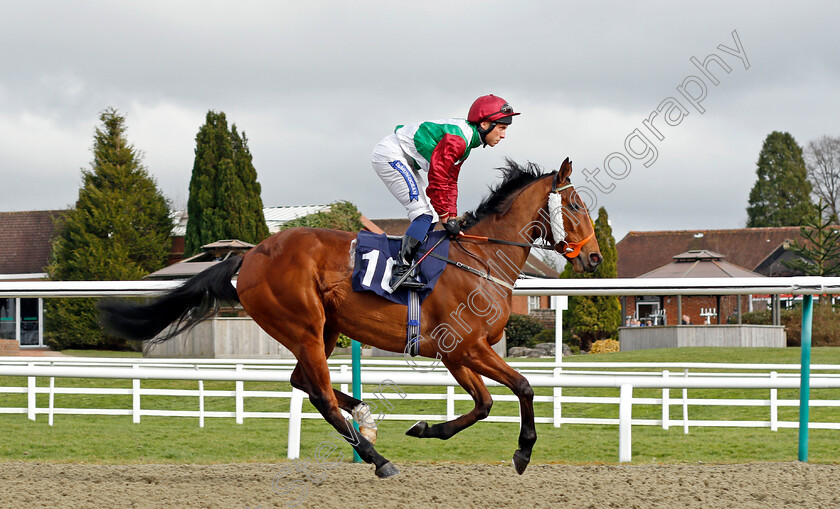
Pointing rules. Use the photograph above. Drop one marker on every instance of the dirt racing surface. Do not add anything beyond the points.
(299, 484)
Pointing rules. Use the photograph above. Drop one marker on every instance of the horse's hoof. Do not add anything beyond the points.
(387, 470)
(418, 429)
(520, 461)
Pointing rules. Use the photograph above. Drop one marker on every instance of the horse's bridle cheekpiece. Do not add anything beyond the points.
(555, 213)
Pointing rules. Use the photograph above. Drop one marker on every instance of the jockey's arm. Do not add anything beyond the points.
(443, 175)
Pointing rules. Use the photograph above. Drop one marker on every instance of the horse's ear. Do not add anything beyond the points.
(565, 169)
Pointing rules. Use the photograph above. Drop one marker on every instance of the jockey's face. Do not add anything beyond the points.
(496, 135)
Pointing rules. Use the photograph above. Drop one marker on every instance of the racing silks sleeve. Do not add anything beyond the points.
(444, 168)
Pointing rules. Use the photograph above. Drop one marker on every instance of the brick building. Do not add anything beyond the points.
(747, 252)
(668, 310)
(25, 252)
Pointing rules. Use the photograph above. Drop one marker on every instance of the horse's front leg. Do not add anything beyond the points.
(474, 385)
(482, 359)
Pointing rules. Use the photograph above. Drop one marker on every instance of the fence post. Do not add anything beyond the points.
(685, 406)
(450, 402)
(295, 411)
(345, 388)
(356, 351)
(625, 417)
(201, 403)
(135, 398)
(240, 386)
(666, 402)
(52, 400)
(561, 303)
(31, 402)
(774, 405)
(558, 393)
(805, 376)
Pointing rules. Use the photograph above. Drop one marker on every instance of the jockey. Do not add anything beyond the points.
(436, 149)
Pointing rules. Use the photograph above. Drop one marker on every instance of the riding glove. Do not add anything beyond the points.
(453, 226)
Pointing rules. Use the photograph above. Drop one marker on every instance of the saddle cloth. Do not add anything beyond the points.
(376, 255)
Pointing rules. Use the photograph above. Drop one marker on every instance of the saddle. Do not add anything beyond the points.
(374, 255)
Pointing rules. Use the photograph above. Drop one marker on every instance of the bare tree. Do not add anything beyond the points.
(822, 159)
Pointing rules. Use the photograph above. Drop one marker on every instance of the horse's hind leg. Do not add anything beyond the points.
(322, 396)
(482, 359)
(357, 408)
(474, 385)
(299, 381)
(313, 375)
(345, 401)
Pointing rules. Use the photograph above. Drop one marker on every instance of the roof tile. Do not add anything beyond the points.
(642, 252)
(25, 240)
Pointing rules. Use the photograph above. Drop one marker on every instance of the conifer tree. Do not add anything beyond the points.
(596, 317)
(781, 194)
(820, 254)
(224, 200)
(119, 230)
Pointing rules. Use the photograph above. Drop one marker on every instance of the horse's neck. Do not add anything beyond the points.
(515, 224)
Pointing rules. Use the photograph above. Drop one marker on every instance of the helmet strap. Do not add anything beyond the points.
(483, 132)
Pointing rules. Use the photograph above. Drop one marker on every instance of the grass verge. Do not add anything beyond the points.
(115, 439)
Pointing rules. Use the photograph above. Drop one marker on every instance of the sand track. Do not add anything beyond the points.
(759, 485)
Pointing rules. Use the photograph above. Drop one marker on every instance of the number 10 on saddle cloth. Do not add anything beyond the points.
(375, 256)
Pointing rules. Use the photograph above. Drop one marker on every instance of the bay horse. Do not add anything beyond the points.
(297, 286)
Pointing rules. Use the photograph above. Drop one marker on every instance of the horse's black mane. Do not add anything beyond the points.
(514, 178)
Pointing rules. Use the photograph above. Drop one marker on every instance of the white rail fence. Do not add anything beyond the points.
(557, 376)
(561, 288)
(800, 285)
(397, 378)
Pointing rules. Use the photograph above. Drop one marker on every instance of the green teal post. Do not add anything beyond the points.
(357, 385)
(805, 376)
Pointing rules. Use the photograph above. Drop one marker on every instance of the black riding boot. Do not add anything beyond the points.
(408, 250)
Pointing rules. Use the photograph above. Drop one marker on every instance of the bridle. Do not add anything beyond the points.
(571, 249)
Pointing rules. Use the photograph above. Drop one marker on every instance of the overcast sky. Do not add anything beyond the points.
(315, 85)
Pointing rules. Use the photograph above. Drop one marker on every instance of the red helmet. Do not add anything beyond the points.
(490, 108)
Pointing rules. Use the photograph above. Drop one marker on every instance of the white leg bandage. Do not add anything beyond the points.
(367, 424)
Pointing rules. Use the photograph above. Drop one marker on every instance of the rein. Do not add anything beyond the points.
(571, 249)
(471, 270)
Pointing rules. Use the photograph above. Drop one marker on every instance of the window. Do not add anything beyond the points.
(647, 308)
(21, 319)
(8, 326)
(29, 322)
(533, 302)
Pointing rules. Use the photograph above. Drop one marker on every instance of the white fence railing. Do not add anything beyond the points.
(397, 375)
(801, 285)
(558, 378)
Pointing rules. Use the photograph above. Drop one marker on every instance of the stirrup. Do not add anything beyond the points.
(410, 282)
(408, 250)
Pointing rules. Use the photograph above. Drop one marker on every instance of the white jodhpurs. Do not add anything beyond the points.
(406, 184)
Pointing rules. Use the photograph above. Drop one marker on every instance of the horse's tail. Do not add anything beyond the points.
(196, 300)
